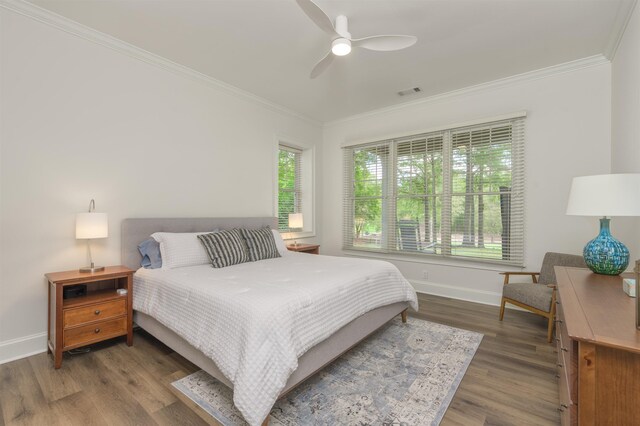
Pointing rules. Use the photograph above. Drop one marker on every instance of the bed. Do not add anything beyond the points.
(314, 335)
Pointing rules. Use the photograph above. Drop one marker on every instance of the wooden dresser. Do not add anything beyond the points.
(598, 350)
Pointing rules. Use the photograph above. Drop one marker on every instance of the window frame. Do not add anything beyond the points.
(297, 186)
(307, 185)
(389, 210)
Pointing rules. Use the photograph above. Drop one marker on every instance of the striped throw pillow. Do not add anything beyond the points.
(260, 243)
(225, 248)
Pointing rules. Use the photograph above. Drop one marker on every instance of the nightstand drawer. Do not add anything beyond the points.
(95, 332)
(100, 311)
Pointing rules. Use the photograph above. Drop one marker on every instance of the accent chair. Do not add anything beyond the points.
(538, 296)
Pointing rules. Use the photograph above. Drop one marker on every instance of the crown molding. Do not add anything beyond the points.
(623, 16)
(67, 25)
(587, 62)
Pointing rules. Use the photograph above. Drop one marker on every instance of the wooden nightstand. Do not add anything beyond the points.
(99, 315)
(305, 248)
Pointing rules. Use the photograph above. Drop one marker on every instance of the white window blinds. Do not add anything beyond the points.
(455, 193)
(289, 184)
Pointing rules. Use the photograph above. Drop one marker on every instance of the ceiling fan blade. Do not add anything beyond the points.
(385, 43)
(318, 16)
(322, 65)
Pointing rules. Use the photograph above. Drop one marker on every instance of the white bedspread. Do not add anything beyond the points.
(255, 319)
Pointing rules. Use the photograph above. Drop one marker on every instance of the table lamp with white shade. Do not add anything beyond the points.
(296, 222)
(605, 195)
(89, 226)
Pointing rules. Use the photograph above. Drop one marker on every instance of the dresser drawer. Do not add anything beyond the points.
(568, 412)
(95, 332)
(569, 415)
(97, 312)
(567, 355)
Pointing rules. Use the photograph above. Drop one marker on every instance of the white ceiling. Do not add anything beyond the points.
(268, 47)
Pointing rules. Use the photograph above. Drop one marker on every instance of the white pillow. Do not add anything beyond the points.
(282, 248)
(180, 249)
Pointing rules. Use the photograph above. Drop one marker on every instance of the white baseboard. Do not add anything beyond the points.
(461, 293)
(457, 292)
(22, 347)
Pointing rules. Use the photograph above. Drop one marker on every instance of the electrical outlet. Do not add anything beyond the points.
(425, 275)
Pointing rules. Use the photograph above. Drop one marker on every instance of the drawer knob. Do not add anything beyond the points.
(564, 405)
(557, 376)
(559, 365)
(564, 349)
(97, 330)
(561, 409)
(97, 312)
(559, 321)
(557, 339)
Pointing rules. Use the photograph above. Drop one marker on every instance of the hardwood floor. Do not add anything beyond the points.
(511, 380)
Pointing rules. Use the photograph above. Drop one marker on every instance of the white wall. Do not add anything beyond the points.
(82, 121)
(625, 122)
(625, 100)
(567, 135)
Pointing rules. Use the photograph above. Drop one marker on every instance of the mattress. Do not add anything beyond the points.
(255, 319)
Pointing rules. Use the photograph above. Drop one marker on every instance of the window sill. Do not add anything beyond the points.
(434, 260)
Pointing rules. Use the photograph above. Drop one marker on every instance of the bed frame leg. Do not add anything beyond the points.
(403, 314)
(266, 422)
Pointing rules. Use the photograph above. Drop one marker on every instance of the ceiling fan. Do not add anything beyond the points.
(342, 42)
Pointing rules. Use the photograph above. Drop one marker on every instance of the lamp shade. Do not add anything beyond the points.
(91, 225)
(605, 195)
(295, 220)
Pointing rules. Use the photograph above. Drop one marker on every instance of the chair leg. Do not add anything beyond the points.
(403, 315)
(502, 308)
(550, 328)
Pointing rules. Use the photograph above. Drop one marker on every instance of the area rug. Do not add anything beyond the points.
(404, 374)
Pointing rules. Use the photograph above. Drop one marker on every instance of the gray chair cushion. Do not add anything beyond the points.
(548, 275)
(539, 295)
(535, 295)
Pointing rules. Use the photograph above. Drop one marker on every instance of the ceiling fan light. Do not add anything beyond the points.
(341, 47)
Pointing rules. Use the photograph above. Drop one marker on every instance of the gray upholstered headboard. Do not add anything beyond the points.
(135, 231)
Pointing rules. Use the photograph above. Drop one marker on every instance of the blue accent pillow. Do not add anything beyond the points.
(150, 251)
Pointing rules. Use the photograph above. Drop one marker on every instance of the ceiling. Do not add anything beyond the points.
(268, 47)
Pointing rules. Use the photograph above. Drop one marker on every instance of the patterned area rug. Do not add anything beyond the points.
(404, 374)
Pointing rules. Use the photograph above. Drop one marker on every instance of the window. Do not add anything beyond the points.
(289, 184)
(453, 193)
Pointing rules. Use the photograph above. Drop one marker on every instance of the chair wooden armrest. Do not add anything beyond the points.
(534, 275)
(553, 286)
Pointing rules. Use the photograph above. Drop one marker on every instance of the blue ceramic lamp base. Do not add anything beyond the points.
(604, 254)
